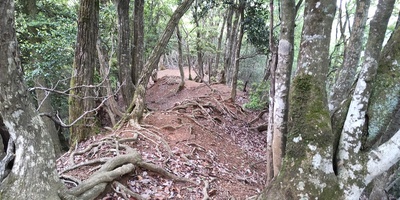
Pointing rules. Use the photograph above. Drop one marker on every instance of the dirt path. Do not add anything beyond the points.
(196, 133)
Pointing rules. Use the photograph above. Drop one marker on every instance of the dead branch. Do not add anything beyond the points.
(259, 116)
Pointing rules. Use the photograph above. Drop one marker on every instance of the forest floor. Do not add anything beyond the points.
(196, 133)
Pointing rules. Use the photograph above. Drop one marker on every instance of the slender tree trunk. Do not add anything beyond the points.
(180, 59)
(123, 51)
(356, 120)
(233, 45)
(138, 41)
(112, 107)
(82, 96)
(282, 82)
(272, 63)
(33, 174)
(137, 106)
(199, 48)
(347, 72)
(221, 35)
(238, 47)
(228, 44)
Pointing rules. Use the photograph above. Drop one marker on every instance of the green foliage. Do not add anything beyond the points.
(46, 43)
(258, 96)
(255, 25)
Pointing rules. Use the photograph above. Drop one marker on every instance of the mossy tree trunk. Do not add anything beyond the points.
(33, 174)
(137, 106)
(82, 96)
(307, 171)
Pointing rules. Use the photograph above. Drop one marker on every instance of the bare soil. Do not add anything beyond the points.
(197, 133)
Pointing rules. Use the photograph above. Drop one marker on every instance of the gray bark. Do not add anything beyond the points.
(33, 174)
(350, 143)
(347, 72)
(282, 82)
(309, 142)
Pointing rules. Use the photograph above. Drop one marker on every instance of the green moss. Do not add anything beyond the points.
(309, 116)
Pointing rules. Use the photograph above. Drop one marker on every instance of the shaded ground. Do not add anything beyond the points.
(197, 133)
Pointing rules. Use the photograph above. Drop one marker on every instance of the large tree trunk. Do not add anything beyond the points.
(82, 95)
(282, 82)
(33, 174)
(123, 51)
(138, 41)
(309, 142)
(137, 105)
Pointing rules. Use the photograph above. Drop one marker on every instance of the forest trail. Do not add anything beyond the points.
(197, 133)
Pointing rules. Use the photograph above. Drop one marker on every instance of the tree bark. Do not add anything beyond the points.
(309, 142)
(228, 45)
(350, 144)
(138, 41)
(180, 59)
(82, 96)
(384, 107)
(33, 174)
(242, 5)
(44, 106)
(123, 51)
(137, 106)
(282, 82)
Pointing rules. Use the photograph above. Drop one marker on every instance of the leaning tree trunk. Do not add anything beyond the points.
(123, 51)
(137, 105)
(282, 82)
(347, 72)
(33, 174)
(309, 142)
(352, 170)
(82, 95)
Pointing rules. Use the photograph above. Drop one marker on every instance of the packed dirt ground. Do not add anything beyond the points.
(200, 144)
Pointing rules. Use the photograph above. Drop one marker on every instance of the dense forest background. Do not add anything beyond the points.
(323, 72)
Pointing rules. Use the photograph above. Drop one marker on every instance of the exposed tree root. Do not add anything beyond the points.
(125, 192)
(114, 167)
